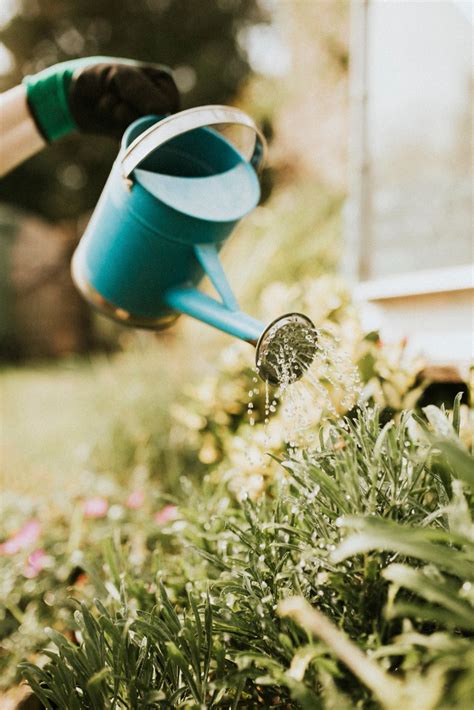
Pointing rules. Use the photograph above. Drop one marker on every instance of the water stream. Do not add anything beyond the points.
(315, 379)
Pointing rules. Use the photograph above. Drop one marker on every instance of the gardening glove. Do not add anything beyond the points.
(98, 95)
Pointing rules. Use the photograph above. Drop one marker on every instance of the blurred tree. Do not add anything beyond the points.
(199, 39)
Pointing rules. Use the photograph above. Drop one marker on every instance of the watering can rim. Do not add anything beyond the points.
(182, 122)
(208, 214)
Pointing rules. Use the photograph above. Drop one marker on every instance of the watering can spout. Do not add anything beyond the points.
(206, 309)
(285, 348)
(225, 315)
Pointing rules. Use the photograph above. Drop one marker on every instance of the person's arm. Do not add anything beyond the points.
(19, 136)
(101, 95)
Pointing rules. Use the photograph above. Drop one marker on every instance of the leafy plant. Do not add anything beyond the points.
(371, 530)
(129, 659)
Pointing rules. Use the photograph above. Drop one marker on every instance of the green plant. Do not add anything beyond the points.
(372, 529)
(133, 659)
(48, 559)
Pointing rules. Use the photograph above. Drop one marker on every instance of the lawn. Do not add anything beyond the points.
(95, 412)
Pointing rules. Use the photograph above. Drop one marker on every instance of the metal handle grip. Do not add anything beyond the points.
(188, 120)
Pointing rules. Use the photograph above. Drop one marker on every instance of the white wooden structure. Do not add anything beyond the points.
(409, 236)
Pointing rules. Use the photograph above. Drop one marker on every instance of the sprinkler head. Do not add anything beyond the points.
(286, 349)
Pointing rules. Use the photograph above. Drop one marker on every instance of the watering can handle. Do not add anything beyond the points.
(189, 120)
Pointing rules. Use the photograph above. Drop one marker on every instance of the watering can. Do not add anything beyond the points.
(176, 191)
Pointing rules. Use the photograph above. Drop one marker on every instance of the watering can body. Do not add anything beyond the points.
(175, 193)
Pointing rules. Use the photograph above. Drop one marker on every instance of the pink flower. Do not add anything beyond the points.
(169, 512)
(23, 538)
(95, 507)
(135, 500)
(35, 563)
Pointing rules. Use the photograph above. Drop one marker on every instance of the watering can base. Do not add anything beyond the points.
(109, 309)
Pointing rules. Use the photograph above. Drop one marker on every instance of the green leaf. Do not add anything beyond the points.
(177, 657)
(381, 439)
(373, 534)
(208, 626)
(302, 659)
(113, 561)
(424, 612)
(366, 365)
(155, 696)
(439, 592)
(457, 412)
(98, 677)
(58, 639)
(441, 425)
(461, 463)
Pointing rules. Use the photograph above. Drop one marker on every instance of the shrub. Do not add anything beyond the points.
(370, 531)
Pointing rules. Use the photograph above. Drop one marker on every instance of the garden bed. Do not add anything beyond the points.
(227, 561)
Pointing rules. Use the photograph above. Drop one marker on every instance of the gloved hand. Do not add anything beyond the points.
(98, 95)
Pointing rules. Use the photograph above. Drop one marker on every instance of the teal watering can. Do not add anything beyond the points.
(175, 193)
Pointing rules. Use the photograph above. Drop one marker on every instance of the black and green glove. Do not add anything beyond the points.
(98, 95)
